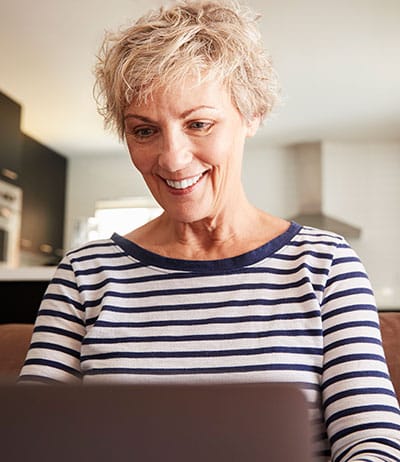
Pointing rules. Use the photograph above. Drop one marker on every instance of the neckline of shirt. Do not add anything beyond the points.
(149, 258)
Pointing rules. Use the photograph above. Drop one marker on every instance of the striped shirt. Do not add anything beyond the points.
(298, 309)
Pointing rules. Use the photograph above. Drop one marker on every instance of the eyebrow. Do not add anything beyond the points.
(182, 116)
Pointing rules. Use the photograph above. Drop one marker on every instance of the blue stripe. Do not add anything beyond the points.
(58, 331)
(347, 293)
(379, 452)
(91, 245)
(313, 243)
(322, 256)
(56, 347)
(205, 306)
(360, 409)
(351, 325)
(178, 308)
(65, 266)
(64, 299)
(341, 260)
(190, 275)
(362, 427)
(194, 290)
(64, 282)
(184, 322)
(114, 268)
(205, 353)
(347, 309)
(284, 271)
(97, 256)
(353, 357)
(356, 392)
(53, 364)
(353, 375)
(60, 314)
(313, 232)
(201, 370)
(383, 441)
(346, 276)
(202, 337)
(351, 341)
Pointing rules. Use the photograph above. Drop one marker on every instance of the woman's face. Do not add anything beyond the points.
(188, 142)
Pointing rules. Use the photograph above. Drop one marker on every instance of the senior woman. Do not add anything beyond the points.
(214, 289)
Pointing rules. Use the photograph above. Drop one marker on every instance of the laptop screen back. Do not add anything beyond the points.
(180, 423)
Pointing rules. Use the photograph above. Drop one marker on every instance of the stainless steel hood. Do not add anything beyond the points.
(308, 161)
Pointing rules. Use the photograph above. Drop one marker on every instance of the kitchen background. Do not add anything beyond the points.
(330, 155)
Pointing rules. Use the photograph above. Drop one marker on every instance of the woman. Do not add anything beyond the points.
(214, 289)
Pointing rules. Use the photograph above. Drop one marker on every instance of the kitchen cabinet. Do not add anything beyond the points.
(21, 300)
(10, 139)
(43, 181)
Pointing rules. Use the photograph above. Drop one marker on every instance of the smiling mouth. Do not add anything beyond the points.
(183, 184)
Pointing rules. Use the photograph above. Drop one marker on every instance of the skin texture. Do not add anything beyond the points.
(195, 133)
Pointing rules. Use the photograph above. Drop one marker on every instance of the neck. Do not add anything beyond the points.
(229, 226)
(238, 228)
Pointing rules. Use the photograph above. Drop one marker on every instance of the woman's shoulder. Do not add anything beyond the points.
(309, 234)
(92, 247)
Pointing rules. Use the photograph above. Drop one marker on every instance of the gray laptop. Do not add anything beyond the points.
(179, 423)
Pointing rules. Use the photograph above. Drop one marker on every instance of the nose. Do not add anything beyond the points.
(175, 152)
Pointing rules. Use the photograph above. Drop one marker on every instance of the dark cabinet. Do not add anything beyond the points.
(21, 300)
(10, 139)
(41, 174)
(43, 181)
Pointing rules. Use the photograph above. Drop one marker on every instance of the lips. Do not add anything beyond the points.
(185, 183)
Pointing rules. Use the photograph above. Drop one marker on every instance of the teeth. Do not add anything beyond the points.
(183, 184)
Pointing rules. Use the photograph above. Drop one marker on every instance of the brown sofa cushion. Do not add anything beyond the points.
(14, 344)
(390, 328)
(15, 339)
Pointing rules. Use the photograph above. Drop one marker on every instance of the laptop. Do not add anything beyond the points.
(179, 423)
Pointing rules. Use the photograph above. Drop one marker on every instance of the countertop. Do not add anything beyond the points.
(27, 273)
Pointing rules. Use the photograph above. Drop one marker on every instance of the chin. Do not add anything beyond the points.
(185, 215)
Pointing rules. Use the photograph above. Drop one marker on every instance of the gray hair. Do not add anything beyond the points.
(208, 39)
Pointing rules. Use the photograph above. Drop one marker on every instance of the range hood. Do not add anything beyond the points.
(309, 193)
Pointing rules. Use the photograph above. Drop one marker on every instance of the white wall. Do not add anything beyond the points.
(361, 184)
(269, 179)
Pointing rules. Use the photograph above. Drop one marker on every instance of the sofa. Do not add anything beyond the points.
(15, 339)
(390, 329)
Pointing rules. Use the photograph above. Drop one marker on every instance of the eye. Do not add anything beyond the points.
(201, 125)
(142, 133)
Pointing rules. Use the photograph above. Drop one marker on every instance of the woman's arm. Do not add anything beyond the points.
(361, 410)
(54, 353)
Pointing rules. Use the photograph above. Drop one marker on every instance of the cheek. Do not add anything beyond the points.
(141, 159)
(224, 150)
(216, 150)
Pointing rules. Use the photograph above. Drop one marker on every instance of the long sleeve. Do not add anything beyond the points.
(54, 354)
(361, 410)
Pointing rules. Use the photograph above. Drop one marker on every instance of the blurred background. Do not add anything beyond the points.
(329, 156)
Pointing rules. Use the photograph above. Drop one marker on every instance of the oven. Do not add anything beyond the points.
(10, 223)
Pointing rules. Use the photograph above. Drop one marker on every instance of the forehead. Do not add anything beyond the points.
(181, 96)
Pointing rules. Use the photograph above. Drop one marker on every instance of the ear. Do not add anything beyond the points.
(252, 126)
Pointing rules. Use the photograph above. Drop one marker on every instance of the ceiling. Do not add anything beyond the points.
(338, 61)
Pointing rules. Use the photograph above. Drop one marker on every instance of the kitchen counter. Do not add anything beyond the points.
(27, 273)
(22, 290)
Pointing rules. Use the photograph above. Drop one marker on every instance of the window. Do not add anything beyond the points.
(115, 216)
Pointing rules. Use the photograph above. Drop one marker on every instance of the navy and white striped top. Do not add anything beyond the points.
(298, 309)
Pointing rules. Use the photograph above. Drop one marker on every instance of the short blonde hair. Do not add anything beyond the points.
(209, 38)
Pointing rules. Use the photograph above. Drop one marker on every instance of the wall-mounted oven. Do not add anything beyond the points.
(10, 223)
